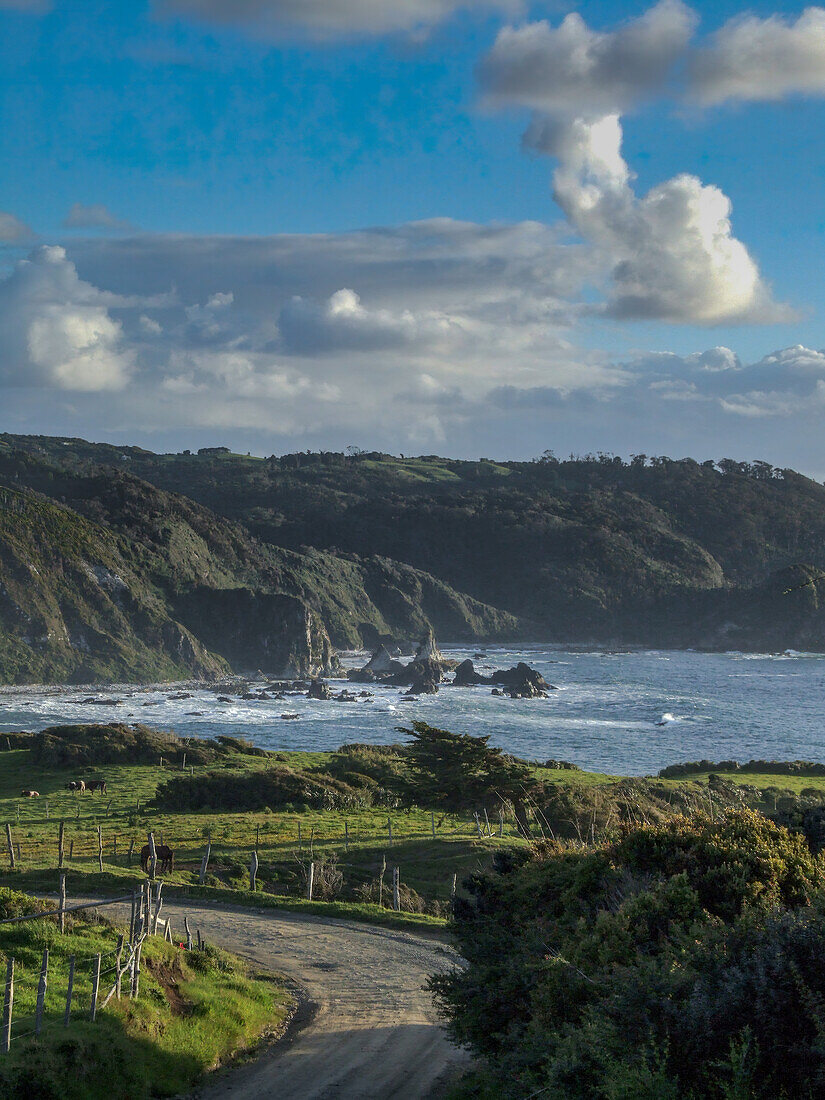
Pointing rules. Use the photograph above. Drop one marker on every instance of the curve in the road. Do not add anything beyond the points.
(373, 1033)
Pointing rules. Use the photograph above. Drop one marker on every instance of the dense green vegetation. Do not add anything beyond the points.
(195, 1010)
(657, 937)
(654, 551)
(681, 960)
(105, 577)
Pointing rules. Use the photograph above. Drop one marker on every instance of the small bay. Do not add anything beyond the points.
(624, 712)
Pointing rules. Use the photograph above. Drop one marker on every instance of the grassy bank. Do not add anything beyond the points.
(195, 1010)
(352, 848)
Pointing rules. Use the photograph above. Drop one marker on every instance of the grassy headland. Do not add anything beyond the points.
(333, 809)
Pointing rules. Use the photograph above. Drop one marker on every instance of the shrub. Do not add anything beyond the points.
(685, 959)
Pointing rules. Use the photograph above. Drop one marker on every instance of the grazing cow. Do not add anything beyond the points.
(165, 858)
(30, 794)
(96, 785)
(76, 785)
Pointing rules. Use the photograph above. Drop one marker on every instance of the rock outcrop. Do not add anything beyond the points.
(426, 674)
(522, 682)
(466, 675)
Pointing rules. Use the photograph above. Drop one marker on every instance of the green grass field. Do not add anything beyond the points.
(194, 1011)
(358, 841)
(351, 846)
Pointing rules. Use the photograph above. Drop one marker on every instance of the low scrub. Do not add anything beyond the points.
(276, 788)
(93, 745)
(754, 767)
(682, 961)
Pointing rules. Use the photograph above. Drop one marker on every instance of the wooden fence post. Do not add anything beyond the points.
(67, 1014)
(253, 871)
(132, 919)
(61, 834)
(135, 989)
(11, 846)
(188, 934)
(8, 1002)
(158, 905)
(108, 807)
(453, 887)
(100, 847)
(61, 904)
(95, 987)
(71, 850)
(41, 992)
(381, 881)
(118, 960)
(389, 830)
(205, 863)
(478, 825)
(257, 837)
(486, 818)
(310, 881)
(131, 850)
(500, 823)
(183, 764)
(153, 857)
(432, 824)
(346, 836)
(396, 889)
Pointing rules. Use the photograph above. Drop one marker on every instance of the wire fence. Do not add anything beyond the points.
(78, 986)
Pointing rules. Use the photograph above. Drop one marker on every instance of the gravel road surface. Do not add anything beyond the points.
(369, 1027)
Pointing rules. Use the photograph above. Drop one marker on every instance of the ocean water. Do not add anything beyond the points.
(625, 713)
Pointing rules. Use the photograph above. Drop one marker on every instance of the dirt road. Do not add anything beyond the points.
(372, 1031)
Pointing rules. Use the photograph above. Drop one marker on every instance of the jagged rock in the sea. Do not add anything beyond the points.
(319, 689)
(426, 676)
(522, 682)
(346, 696)
(381, 661)
(381, 668)
(428, 651)
(466, 675)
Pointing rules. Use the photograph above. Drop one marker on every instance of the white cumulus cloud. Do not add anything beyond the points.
(761, 59)
(672, 253)
(571, 70)
(56, 330)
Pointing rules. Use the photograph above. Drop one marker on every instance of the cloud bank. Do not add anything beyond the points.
(93, 216)
(273, 19)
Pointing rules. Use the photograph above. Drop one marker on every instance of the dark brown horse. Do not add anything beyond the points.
(165, 857)
(96, 785)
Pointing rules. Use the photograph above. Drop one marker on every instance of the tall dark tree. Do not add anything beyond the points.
(456, 771)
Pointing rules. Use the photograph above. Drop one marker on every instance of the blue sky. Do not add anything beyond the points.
(290, 224)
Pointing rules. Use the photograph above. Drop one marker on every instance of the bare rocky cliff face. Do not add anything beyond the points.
(275, 633)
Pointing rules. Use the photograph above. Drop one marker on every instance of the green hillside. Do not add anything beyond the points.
(106, 577)
(651, 551)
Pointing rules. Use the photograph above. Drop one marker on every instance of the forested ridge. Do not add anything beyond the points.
(651, 551)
